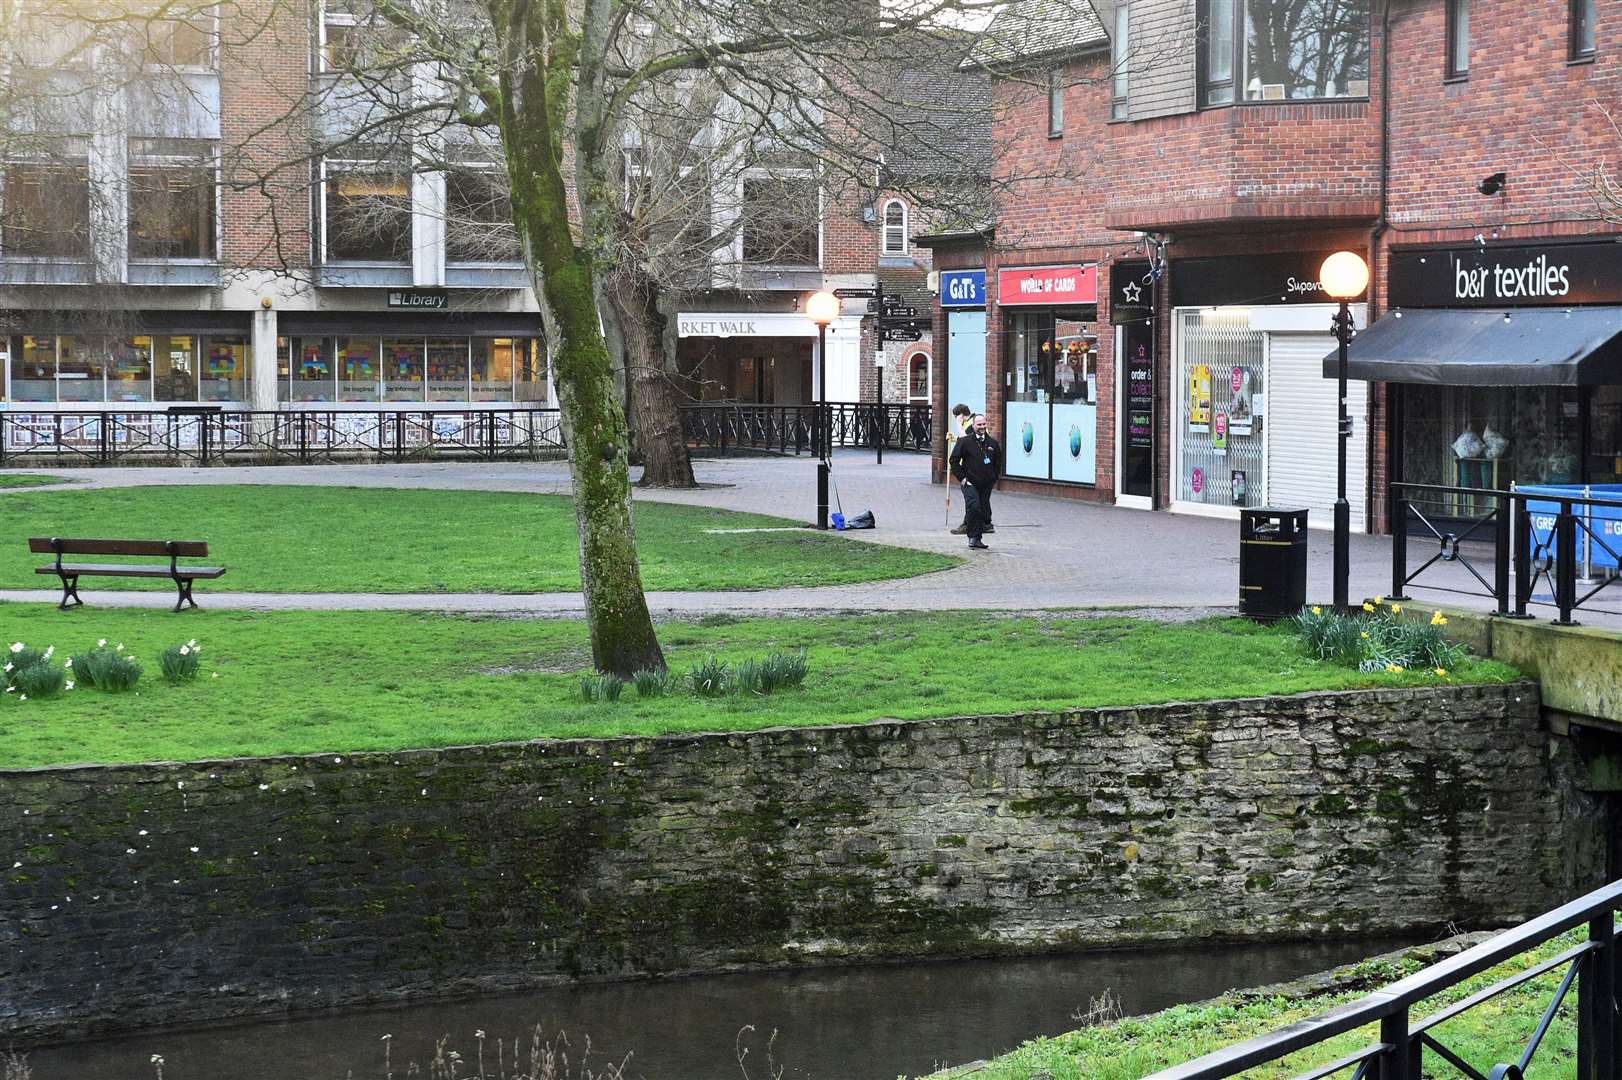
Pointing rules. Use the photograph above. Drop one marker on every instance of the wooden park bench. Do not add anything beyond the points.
(173, 550)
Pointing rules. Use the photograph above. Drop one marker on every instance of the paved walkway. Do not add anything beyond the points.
(1047, 553)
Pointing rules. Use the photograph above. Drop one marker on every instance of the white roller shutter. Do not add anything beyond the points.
(1301, 420)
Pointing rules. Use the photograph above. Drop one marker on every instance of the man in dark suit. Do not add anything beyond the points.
(976, 465)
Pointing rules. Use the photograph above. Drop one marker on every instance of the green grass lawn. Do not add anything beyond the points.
(275, 538)
(305, 682)
(1490, 1034)
(27, 480)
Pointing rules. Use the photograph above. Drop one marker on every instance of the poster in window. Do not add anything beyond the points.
(1219, 434)
(1199, 398)
(1242, 410)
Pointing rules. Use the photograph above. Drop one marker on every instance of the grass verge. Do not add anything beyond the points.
(28, 480)
(1492, 1033)
(276, 538)
(294, 682)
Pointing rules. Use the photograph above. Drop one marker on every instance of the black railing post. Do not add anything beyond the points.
(1500, 554)
(1565, 563)
(1596, 1004)
(2, 437)
(1398, 1060)
(1523, 559)
(1399, 547)
(104, 442)
(880, 430)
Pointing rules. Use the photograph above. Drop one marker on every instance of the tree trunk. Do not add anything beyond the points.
(622, 635)
(655, 399)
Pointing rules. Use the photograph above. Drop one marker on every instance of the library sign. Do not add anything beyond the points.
(1518, 275)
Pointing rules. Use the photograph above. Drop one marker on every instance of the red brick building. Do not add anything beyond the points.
(1188, 177)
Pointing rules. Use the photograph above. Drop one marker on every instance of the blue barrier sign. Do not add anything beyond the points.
(963, 288)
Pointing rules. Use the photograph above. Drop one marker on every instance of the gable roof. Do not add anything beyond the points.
(1030, 30)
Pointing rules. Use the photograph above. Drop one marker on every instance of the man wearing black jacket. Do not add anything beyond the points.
(976, 464)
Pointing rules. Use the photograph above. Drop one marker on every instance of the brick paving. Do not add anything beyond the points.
(1047, 553)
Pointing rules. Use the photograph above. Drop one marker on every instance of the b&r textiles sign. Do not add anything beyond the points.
(1519, 275)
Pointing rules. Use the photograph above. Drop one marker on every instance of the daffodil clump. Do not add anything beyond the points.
(111, 669)
(32, 673)
(1374, 639)
(180, 662)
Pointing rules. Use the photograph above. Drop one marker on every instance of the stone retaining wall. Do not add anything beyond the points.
(135, 895)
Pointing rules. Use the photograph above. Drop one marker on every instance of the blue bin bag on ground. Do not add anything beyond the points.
(864, 520)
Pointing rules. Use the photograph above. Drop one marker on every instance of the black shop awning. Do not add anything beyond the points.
(1520, 347)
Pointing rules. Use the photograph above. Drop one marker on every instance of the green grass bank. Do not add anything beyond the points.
(277, 538)
(293, 682)
(28, 480)
(1492, 1033)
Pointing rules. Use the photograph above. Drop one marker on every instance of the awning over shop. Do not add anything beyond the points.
(1521, 347)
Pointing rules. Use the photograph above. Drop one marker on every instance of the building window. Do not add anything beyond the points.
(1283, 50)
(172, 193)
(895, 227)
(478, 215)
(368, 211)
(918, 377)
(781, 221)
(180, 42)
(1118, 72)
(1582, 29)
(340, 43)
(1055, 102)
(1458, 39)
(33, 368)
(46, 209)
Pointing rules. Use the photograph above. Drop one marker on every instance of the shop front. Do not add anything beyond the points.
(1133, 284)
(1255, 421)
(129, 361)
(766, 358)
(1049, 318)
(1503, 364)
(963, 300)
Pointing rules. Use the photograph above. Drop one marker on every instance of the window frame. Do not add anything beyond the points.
(328, 17)
(778, 176)
(466, 163)
(77, 160)
(1575, 10)
(210, 31)
(1238, 61)
(1056, 102)
(364, 166)
(207, 161)
(1120, 54)
(1455, 24)
(885, 226)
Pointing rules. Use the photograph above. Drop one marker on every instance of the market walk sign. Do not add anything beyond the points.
(1517, 275)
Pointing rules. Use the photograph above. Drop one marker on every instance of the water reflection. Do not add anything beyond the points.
(870, 1023)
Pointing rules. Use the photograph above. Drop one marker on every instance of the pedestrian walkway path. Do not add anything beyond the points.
(1047, 553)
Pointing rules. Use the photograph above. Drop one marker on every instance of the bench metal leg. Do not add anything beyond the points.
(70, 591)
(184, 586)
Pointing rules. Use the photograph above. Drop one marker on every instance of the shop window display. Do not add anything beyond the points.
(81, 368)
(1491, 437)
(1050, 376)
(403, 370)
(224, 374)
(33, 368)
(1219, 433)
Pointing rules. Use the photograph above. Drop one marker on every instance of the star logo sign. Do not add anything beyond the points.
(1131, 292)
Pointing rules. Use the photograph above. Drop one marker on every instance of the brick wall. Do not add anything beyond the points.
(144, 894)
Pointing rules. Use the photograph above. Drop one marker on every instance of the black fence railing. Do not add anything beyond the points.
(791, 429)
(204, 435)
(1404, 1043)
(1535, 546)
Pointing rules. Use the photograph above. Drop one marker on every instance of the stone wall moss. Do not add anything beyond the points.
(333, 879)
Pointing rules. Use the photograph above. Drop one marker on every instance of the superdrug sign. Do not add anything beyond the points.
(1520, 275)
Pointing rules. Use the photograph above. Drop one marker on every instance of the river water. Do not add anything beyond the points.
(863, 1023)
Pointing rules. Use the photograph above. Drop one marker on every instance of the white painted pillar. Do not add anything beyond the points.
(262, 350)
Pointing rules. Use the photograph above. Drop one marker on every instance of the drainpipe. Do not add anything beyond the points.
(1380, 224)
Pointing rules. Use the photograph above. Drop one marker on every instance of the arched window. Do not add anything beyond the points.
(918, 377)
(895, 227)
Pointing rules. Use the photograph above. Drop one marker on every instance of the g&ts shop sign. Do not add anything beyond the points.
(1048, 286)
(1517, 275)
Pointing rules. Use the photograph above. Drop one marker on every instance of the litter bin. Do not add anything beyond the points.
(1272, 563)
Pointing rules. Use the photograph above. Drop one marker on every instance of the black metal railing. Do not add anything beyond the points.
(1503, 545)
(1399, 1053)
(791, 429)
(207, 436)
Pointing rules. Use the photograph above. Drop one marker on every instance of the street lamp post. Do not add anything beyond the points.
(1344, 277)
(822, 308)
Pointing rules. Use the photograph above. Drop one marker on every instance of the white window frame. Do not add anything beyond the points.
(357, 165)
(79, 158)
(209, 160)
(743, 225)
(1056, 102)
(329, 17)
(884, 229)
(929, 374)
(1120, 81)
(212, 63)
(463, 164)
